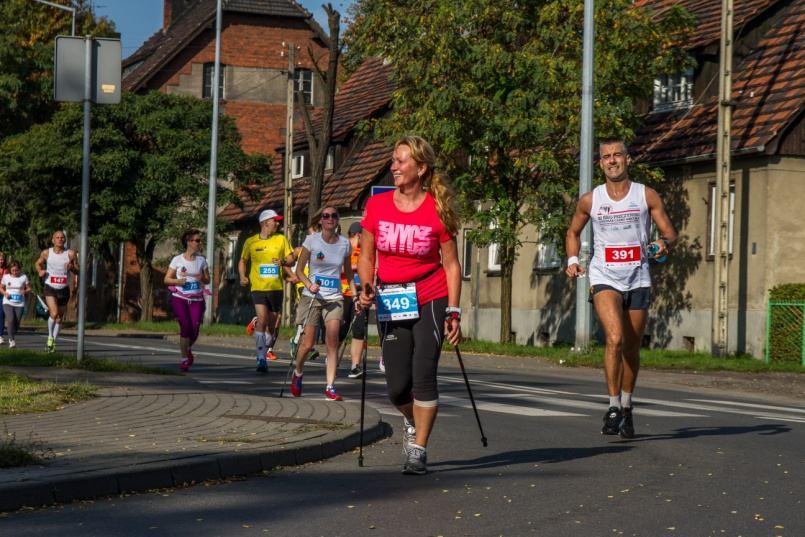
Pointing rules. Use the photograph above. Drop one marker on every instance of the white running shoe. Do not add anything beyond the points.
(382, 365)
(11, 343)
(2, 340)
(409, 436)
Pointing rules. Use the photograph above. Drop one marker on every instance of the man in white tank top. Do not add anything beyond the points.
(620, 285)
(54, 265)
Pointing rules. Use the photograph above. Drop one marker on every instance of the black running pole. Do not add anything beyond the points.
(368, 290)
(469, 390)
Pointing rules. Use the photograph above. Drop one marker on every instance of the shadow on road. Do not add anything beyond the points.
(524, 456)
(765, 429)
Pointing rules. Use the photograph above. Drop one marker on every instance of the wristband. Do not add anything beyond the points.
(453, 312)
(573, 260)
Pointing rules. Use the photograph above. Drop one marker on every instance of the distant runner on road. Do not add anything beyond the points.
(620, 284)
(55, 265)
(187, 275)
(270, 257)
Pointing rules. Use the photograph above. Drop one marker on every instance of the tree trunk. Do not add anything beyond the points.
(145, 258)
(319, 143)
(506, 273)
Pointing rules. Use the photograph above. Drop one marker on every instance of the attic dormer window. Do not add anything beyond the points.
(673, 91)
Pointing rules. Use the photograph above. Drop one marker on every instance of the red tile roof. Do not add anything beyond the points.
(362, 96)
(163, 46)
(708, 16)
(365, 95)
(768, 93)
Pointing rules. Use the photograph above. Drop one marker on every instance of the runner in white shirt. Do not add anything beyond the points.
(326, 253)
(55, 265)
(186, 277)
(620, 285)
(15, 287)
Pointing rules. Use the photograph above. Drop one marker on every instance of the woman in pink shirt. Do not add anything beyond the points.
(410, 232)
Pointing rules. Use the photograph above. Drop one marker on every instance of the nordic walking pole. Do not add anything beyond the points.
(368, 290)
(295, 347)
(469, 390)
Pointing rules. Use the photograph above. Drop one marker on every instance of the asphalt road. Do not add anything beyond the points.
(704, 462)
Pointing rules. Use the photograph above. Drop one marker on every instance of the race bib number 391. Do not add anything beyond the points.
(627, 255)
(397, 303)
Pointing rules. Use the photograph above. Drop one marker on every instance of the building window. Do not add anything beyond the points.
(330, 162)
(673, 91)
(493, 262)
(231, 258)
(712, 224)
(206, 90)
(304, 83)
(466, 258)
(548, 256)
(298, 167)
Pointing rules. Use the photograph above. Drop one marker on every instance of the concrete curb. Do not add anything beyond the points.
(177, 473)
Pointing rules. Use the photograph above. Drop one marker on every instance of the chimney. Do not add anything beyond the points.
(172, 10)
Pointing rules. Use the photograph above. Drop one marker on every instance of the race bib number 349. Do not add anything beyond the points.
(627, 255)
(397, 303)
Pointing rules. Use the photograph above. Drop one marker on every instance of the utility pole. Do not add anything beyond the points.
(288, 171)
(212, 204)
(583, 311)
(721, 200)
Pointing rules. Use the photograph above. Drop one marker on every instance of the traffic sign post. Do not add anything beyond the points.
(86, 70)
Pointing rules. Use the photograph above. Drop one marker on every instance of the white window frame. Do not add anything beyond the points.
(672, 91)
(231, 258)
(222, 89)
(329, 163)
(298, 166)
(493, 258)
(466, 256)
(548, 257)
(299, 83)
(712, 224)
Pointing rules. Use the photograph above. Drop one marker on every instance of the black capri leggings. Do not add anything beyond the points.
(358, 325)
(411, 352)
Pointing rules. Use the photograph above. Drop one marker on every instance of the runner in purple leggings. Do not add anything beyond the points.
(187, 274)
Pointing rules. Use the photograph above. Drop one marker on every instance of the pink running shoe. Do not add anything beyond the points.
(331, 395)
(189, 357)
(184, 367)
(296, 385)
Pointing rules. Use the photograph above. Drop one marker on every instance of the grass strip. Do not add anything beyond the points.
(31, 358)
(20, 394)
(649, 358)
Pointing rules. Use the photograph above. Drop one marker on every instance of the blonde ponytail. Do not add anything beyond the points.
(433, 181)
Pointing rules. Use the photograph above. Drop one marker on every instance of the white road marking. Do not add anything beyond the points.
(751, 405)
(503, 408)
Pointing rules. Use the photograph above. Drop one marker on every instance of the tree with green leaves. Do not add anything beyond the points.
(495, 85)
(149, 170)
(26, 57)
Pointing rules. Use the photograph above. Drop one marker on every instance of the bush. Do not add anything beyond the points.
(785, 322)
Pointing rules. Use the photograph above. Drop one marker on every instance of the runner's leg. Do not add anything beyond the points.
(609, 307)
(634, 324)
(428, 332)
(331, 329)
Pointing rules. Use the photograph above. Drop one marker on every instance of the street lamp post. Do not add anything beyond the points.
(211, 202)
(65, 8)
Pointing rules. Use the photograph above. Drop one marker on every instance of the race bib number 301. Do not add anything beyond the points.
(327, 284)
(397, 303)
(626, 255)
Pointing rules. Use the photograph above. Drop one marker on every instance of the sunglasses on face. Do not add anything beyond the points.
(327, 216)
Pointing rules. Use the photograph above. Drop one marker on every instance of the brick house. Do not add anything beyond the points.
(355, 164)
(179, 58)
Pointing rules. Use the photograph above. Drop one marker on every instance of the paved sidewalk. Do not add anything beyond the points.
(153, 431)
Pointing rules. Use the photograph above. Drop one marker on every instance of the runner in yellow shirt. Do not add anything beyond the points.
(270, 256)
